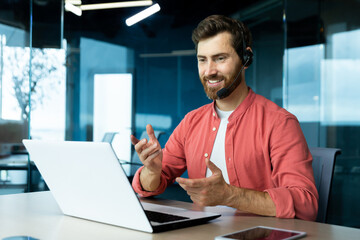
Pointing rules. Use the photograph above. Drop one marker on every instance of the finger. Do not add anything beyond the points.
(145, 153)
(134, 140)
(181, 181)
(154, 155)
(149, 163)
(151, 133)
(213, 168)
(140, 145)
(191, 183)
(191, 190)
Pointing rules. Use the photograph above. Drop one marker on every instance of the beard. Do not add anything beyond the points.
(211, 91)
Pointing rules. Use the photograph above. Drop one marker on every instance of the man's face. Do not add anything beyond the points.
(218, 63)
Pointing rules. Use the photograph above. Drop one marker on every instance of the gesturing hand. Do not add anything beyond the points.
(209, 191)
(149, 152)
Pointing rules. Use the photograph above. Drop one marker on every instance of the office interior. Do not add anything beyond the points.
(69, 77)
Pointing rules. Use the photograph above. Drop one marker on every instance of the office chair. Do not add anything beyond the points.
(323, 165)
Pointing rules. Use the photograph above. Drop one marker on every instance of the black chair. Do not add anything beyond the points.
(323, 165)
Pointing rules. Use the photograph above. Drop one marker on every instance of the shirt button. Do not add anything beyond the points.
(213, 114)
(229, 159)
(214, 129)
(206, 155)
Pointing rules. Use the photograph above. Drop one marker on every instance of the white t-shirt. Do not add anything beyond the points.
(218, 152)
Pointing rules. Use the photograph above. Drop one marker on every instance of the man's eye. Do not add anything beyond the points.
(220, 59)
(201, 60)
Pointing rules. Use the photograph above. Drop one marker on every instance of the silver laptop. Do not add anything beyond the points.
(87, 181)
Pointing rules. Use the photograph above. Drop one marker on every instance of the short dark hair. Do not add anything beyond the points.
(216, 24)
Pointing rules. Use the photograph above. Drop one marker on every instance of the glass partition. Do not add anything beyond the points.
(15, 55)
(32, 87)
(265, 75)
(321, 87)
(48, 72)
(14, 78)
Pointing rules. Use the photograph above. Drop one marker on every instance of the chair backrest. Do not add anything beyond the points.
(323, 165)
(135, 160)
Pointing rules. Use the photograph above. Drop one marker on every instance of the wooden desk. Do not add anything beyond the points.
(37, 215)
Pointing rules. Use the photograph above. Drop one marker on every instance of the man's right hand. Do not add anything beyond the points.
(150, 154)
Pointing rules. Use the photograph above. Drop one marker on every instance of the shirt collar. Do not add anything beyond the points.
(241, 108)
(223, 114)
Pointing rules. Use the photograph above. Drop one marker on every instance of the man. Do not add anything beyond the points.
(242, 150)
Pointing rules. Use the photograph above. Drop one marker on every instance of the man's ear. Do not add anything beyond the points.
(248, 56)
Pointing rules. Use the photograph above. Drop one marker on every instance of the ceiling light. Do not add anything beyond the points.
(115, 5)
(74, 9)
(74, 2)
(143, 14)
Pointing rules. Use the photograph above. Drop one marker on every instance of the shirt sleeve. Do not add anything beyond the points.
(136, 184)
(294, 192)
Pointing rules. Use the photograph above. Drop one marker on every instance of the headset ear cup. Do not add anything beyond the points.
(248, 58)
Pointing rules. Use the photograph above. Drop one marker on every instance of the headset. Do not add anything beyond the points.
(247, 56)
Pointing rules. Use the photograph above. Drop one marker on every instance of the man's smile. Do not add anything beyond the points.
(214, 82)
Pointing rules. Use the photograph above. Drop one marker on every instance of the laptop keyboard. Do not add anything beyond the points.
(162, 217)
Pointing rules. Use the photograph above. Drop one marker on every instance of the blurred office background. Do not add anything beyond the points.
(92, 74)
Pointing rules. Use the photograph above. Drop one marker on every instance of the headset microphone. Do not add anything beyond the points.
(224, 92)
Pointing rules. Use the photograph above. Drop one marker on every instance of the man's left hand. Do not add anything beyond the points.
(210, 191)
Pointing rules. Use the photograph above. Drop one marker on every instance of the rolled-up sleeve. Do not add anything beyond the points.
(136, 184)
(294, 192)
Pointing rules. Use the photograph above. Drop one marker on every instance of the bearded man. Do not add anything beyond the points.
(241, 150)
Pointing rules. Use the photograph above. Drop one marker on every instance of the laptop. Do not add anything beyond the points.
(88, 181)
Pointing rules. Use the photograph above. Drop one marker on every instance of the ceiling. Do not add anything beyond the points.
(174, 15)
(177, 12)
(173, 23)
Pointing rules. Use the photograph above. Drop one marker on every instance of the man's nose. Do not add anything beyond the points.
(210, 69)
